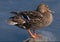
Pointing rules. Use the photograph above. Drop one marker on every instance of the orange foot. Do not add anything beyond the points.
(34, 35)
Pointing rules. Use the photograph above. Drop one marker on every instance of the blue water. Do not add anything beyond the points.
(13, 33)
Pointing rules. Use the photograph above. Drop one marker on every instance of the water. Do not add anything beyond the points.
(13, 33)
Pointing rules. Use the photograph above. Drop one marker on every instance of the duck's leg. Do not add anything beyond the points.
(33, 35)
(39, 36)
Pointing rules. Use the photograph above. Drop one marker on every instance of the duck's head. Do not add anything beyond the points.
(43, 8)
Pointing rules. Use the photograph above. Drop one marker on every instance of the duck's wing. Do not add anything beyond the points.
(31, 14)
(34, 17)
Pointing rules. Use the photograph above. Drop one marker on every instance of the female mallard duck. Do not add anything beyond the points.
(33, 20)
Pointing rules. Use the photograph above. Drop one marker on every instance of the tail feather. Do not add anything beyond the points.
(14, 13)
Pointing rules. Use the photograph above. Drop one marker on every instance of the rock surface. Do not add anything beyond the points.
(43, 39)
(47, 36)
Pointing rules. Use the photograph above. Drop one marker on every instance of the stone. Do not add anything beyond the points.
(43, 39)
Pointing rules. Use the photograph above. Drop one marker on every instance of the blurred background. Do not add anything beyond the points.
(13, 33)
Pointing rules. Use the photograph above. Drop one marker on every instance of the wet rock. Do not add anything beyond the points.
(43, 39)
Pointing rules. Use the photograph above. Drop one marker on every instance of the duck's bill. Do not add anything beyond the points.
(11, 22)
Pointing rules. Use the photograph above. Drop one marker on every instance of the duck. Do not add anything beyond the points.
(32, 20)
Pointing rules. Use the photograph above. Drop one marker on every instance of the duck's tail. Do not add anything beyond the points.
(13, 12)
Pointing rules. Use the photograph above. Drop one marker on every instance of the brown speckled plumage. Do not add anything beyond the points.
(39, 18)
